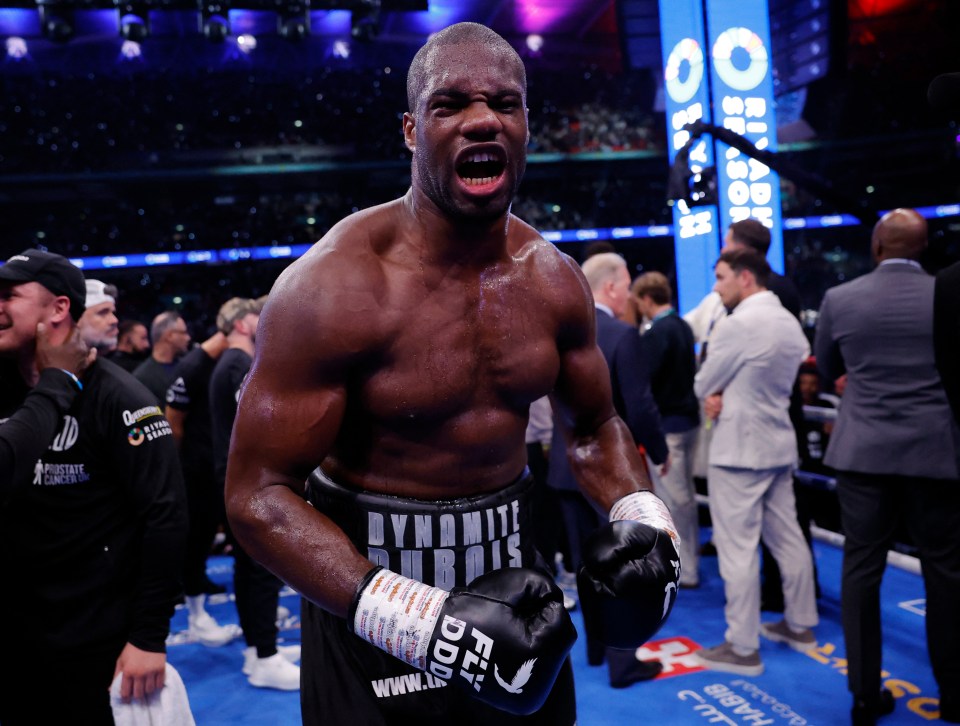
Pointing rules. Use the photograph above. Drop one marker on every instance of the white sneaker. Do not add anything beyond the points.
(290, 652)
(205, 630)
(275, 672)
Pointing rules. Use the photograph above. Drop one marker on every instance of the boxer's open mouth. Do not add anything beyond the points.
(480, 168)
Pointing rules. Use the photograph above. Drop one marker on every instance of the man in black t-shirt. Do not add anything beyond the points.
(90, 547)
(673, 365)
(171, 339)
(133, 345)
(188, 410)
(257, 590)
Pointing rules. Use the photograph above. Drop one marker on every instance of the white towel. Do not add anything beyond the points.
(167, 707)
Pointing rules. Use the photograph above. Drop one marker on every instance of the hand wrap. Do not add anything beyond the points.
(504, 637)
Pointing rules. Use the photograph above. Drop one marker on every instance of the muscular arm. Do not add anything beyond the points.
(287, 420)
(600, 448)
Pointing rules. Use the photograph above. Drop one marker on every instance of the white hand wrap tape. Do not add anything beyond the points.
(398, 615)
(647, 508)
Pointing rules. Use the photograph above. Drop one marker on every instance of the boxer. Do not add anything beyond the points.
(396, 362)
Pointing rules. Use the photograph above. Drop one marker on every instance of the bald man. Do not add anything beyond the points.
(895, 457)
(394, 370)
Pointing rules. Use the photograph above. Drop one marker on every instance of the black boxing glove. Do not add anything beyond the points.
(628, 579)
(504, 637)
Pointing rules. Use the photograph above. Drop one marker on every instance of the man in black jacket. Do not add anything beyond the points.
(628, 363)
(30, 429)
(91, 546)
(673, 365)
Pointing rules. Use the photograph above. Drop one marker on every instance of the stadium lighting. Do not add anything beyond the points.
(16, 47)
(56, 20)
(134, 19)
(293, 20)
(213, 19)
(365, 20)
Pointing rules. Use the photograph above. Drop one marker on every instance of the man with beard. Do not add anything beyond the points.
(171, 340)
(91, 541)
(395, 367)
(98, 324)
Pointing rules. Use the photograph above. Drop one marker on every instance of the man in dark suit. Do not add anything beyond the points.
(946, 332)
(623, 350)
(673, 365)
(895, 457)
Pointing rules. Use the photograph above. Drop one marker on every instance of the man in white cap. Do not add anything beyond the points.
(98, 324)
(91, 543)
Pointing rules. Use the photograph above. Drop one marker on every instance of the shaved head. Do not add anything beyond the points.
(900, 233)
(459, 34)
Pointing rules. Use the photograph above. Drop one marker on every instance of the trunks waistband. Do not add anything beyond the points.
(444, 543)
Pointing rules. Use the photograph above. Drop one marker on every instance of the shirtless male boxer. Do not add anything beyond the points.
(395, 366)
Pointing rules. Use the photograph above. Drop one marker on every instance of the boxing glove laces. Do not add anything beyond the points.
(630, 572)
(504, 637)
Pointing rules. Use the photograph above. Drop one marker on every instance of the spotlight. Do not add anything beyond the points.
(213, 16)
(134, 19)
(130, 49)
(341, 49)
(247, 43)
(57, 20)
(534, 43)
(365, 20)
(16, 47)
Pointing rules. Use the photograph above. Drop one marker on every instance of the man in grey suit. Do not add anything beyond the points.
(746, 380)
(895, 456)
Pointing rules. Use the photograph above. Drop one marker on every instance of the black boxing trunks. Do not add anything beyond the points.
(444, 543)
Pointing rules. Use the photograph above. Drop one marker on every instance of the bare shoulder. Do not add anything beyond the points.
(335, 289)
(553, 275)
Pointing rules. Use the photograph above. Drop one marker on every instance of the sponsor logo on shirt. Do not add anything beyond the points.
(137, 435)
(55, 475)
(133, 417)
(177, 392)
(67, 436)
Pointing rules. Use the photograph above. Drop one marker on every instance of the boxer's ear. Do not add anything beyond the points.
(409, 131)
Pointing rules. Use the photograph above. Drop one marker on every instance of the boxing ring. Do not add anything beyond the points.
(795, 688)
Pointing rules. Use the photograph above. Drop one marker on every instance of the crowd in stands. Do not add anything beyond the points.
(64, 120)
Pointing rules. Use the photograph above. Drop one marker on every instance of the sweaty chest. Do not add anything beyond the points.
(465, 346)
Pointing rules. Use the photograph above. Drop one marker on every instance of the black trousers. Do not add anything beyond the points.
(258, 593)
(206, 512)
(548, 521)
(871, 508)
(49, 687)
